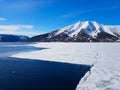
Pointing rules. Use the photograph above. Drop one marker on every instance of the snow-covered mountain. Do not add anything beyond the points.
(82, 31)
(12, 38)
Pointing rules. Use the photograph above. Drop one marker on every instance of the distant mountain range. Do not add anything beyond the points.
(12, 38)
(82, 31)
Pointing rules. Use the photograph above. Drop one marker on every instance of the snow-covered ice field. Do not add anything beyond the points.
(104, 58)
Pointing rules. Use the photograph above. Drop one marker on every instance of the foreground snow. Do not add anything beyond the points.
(104, 57)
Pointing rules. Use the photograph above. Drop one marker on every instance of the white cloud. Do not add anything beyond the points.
(9, 28)
(27, 26)
(18, 30)
(3, 19)
(15, 27)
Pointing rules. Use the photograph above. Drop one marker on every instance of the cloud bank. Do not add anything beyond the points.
(18, 29)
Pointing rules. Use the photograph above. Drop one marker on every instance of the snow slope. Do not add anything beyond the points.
(91, 28)
(104, 58)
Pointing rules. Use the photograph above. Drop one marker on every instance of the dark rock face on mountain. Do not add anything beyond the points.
(12, 38)
(82, 37)
(82, 31)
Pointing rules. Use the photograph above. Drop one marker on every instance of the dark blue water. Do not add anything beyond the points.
(23, 74)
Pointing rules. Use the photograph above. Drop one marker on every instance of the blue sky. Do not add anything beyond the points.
(33, 17)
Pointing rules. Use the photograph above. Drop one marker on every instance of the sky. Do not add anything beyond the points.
(34, 17)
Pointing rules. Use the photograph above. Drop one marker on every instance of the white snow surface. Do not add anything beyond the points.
(104, 58)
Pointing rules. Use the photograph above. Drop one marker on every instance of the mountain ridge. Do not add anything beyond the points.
(81, 31)
(12, 38)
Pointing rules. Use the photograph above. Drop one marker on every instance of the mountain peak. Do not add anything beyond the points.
(73, 30)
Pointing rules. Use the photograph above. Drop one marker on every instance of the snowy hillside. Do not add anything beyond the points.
(103, 57)
(82, 31)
